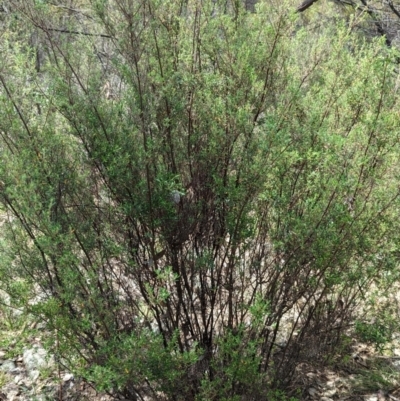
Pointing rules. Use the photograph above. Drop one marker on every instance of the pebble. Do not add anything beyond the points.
(330, 384)
(67, 377)
(330, 393)
(312, 391)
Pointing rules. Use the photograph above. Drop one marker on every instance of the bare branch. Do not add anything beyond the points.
(392, 7)
(377, 22)
(102, 35)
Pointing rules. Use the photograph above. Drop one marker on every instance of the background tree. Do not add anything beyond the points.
(383, 18)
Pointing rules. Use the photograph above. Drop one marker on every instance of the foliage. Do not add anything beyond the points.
(380, 375)
(376, 333)
(197, 197)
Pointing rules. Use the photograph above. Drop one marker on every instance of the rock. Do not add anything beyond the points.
(175, 196)
(12, 391)
(330, 393)
(17, 371)
(34, 374)
(40, 397)
(396, 364)
(330, 384)
(35, 358)
(13, 395)
(8, 366)
(18, 379)
(2, 354)
(41, 326)
(325, 399)
(17, 312)
(67, 377)
(312, 391)
(9, 387)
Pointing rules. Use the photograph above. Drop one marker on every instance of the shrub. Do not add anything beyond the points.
(199, 195)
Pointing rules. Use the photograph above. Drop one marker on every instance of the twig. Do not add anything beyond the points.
(102, 35)
(60, 383)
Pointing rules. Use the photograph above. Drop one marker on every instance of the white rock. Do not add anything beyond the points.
(67, 377)
(41, 326)
(40, 397)
(35, 358)
(175, 196)
(330, 384)
(13, 395)
(8, 366)
(312, 391)
(17, 312)
(330, 393)
(17, 371)
(18, 379)
(396, 364)
(34, 374)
